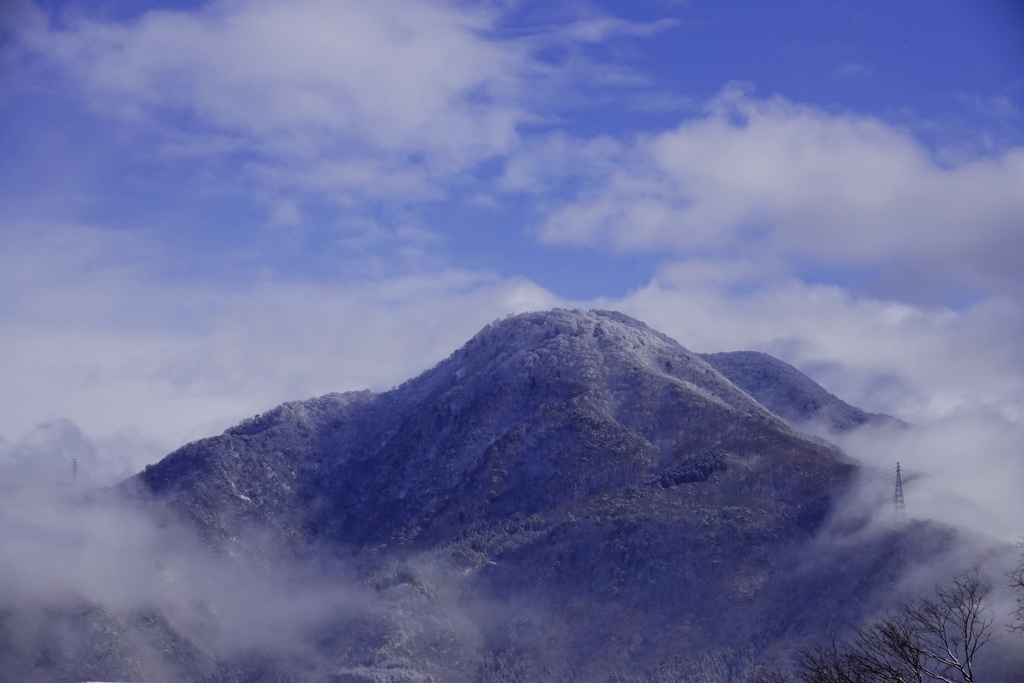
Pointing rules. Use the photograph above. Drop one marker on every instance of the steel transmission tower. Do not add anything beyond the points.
(898, 504)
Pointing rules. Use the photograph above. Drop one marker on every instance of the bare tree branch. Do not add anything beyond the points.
(952, 627)
(1017, 585)
(763, 675)
(887, 650)
(934, 640)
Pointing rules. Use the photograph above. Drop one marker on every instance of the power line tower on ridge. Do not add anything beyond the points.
(899, 506)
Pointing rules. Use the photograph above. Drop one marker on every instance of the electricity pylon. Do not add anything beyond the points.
(898, 504)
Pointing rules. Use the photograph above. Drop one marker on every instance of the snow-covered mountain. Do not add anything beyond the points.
(570, 496)
(533, 412)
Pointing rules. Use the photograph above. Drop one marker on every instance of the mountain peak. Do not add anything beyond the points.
(533, 327)
(595, 348)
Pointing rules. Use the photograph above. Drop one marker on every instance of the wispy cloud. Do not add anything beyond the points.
(855, 70)
(345, 100)
(343, 95)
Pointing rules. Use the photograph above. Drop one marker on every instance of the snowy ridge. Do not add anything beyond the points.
(792, 395)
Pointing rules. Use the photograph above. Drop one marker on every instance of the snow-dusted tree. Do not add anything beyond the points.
(935, 639)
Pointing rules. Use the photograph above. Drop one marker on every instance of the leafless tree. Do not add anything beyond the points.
(888, 649)
(1017, 585)
(934, 640)
(951, 628)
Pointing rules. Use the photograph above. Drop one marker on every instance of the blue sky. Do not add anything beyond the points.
(207, 208)
(947, 75)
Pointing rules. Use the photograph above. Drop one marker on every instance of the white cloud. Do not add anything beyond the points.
(338, 94)
(771, 176)
(92, 334)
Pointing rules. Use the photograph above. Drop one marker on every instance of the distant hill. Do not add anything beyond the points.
(570, 496)
(790, 394)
